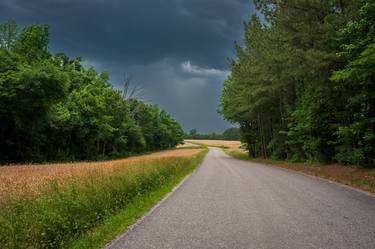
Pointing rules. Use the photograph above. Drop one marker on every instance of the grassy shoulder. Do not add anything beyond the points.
(91, 211)
(354, 176)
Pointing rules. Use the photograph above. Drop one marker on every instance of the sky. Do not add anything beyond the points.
(176, 51)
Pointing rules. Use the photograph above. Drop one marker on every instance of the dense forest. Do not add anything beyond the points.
(229, 134)
(52, 108)
(302, 84)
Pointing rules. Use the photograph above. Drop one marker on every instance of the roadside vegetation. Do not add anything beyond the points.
(355, 176)
(302, 85)
(55, 109)
(92, 204)
(52, 108)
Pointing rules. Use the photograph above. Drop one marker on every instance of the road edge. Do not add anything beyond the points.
(153, 209)
(308, 175)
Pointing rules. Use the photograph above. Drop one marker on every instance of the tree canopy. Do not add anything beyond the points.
(52, 108)
(302, 85)
(229, 134)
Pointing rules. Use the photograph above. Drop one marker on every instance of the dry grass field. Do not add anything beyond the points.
(232, 145)
(30, 178)
(187, 145)
(52, 205)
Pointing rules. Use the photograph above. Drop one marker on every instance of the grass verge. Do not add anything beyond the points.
(358, 177)
(91, 211)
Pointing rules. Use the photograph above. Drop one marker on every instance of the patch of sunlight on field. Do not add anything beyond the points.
(232, 145)
(187, 145)
(31, 177)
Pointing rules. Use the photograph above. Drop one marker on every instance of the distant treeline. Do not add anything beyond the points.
(52, 108)
(302, 86)
(228, 134)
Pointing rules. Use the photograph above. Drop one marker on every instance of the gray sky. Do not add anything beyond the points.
(176, 50)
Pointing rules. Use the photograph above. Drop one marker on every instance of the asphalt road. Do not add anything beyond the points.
(228, 203)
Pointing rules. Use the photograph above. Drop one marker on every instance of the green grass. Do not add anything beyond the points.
(93, 210)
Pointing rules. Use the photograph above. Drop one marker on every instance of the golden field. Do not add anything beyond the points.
(232, 145)
(187, 145)
(31, 177)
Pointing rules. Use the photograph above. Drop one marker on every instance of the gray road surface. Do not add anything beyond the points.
(228, 203)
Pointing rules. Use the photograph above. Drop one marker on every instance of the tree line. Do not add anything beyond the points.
(52, 108)
(302, 84)
(229, 134)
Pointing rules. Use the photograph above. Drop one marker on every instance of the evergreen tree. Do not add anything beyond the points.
(302, 86)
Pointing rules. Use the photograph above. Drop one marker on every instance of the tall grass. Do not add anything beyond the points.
(63, 212)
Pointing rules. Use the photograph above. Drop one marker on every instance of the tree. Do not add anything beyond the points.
(130, 91)
(8, 34)
(193, 133)
(281, 90)
(232, 134)
(52, 108)
(26, 95)
(32, 43)
(356, 132)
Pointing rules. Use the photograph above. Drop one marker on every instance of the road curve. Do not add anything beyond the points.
(228, 203)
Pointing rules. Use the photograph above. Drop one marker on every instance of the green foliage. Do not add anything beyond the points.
(159, 130)
(32, 43)
(302, 86)
(310, 131)
(356, 134)
(52, 108)
(228, 134)
(193, 133)
(231, 134)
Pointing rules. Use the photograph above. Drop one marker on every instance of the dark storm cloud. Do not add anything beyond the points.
(176, 50)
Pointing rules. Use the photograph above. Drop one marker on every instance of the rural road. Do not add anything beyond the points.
(228, 203)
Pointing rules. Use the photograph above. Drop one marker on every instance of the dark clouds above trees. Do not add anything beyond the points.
(177, 50)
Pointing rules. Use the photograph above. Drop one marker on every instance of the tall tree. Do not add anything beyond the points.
(281, 90)
(356, 132)
(32, 43)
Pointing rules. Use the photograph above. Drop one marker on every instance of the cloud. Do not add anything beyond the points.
(191, 99)
(201, 71)
(151, 41)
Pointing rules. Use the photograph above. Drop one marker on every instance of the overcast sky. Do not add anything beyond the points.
(176, 50)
